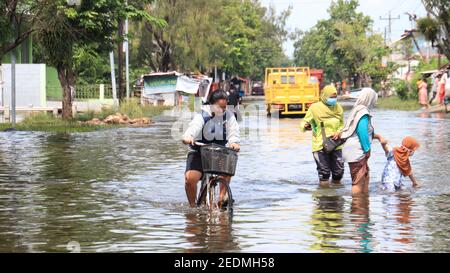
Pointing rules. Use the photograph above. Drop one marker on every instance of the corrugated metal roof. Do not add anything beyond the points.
(163, 74)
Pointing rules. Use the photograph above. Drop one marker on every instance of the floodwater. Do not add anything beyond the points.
(123, 191)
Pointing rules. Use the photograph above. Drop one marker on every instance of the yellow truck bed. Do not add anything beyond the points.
(290, 90)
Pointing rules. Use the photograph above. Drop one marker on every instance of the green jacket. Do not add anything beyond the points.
(332, 122)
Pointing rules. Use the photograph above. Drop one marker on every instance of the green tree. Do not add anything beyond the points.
(186, 41)
(240, 27)
(268, 50)
(436, 26)
(16, 23)
(15, 26)
(135, 10)
(253, 37)
(63, 31)
(344, 46)
(240, 37)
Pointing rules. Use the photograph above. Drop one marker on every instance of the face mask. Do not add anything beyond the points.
(332, 101)
(411, 152)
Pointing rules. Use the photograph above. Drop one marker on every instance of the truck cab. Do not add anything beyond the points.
(291, 90)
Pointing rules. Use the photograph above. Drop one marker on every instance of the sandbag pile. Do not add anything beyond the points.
(121, 119)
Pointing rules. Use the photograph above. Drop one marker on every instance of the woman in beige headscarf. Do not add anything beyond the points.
(359, 133)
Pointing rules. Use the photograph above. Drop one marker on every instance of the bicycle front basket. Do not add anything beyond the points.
(217, 159)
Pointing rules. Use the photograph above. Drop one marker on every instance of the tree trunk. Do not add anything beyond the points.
(67, 80)
(120, 54)
(1, 85)
(444, 49)
(166, 59)
(359, 81)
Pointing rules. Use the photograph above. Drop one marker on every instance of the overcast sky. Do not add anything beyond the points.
(306, 13)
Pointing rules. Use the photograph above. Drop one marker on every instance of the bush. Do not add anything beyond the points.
(85, 116)
(401, 88)
(133, 109)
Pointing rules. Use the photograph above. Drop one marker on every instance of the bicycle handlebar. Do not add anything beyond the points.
(200, 144)
(196, 143)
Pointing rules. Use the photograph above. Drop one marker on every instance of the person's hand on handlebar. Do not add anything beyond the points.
(235, 147)
(189, 141)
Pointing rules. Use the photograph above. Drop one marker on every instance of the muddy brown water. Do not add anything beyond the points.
(123, 191)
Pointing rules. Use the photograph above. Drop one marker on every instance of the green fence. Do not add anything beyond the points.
(92, 91)
(82, 92)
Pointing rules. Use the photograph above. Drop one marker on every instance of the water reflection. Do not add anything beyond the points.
(327, 220)
(210, 232)
(122, 190)
(359, 216)
(403, 216)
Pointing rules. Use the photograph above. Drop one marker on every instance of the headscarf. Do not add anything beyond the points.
(321, 111)
(367, 100)
(402, 154)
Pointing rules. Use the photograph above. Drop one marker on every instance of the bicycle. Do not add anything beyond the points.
(217, 162)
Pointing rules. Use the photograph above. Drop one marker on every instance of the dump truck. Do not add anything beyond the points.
(291, 90)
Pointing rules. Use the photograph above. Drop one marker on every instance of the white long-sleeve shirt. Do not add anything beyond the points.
(197, 126)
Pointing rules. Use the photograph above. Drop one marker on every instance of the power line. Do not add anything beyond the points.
(395, 7)
(390, 19)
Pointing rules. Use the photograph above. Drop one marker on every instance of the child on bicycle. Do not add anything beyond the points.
(215, 124)
(398, 165)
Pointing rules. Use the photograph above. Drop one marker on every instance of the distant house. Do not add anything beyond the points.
(421, 49)
(172, 88)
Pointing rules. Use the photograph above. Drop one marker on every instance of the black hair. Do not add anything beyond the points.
(219, 94)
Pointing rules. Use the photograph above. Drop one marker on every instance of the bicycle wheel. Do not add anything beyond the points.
(213, 195)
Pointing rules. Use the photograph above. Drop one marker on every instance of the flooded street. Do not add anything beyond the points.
(123, 191)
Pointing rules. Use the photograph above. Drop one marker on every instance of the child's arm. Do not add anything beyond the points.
(383, 141)
(414, 181)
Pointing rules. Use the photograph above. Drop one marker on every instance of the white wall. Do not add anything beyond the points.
(30, 85)
(169, 99)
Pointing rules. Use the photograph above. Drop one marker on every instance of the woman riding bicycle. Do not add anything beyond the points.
(214, 125)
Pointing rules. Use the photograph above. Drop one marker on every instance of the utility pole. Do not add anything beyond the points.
(390, 19)
(13, 88)
(13, 80)
(120, 62)
(113, 80)
(127, 57)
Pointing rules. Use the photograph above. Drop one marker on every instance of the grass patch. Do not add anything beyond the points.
(395, 103)
(131, 108)
(48, 123)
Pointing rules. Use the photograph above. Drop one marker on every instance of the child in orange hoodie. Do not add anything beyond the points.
(398, 165)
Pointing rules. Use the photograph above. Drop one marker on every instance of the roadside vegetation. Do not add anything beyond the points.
(49, 123)
(396, 103)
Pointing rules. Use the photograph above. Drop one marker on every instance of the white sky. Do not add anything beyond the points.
(306, 13)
